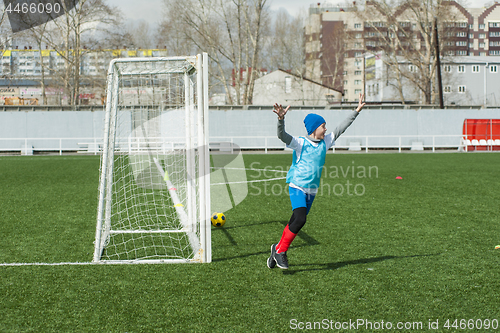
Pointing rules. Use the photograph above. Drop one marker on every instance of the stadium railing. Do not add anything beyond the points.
(261, 143)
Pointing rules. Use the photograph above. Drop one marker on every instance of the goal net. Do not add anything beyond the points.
(154, 191)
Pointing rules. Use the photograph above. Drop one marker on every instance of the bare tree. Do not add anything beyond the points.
(284, 44)
(68, 34)
(37, 34)
(140, 33)
(229, 30)
(404, 31)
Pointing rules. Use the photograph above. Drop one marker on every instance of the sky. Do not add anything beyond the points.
(151, 10)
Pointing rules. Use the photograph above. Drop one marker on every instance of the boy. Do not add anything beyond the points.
(305, 173)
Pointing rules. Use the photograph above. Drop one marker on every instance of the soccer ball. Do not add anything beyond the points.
(218, 219)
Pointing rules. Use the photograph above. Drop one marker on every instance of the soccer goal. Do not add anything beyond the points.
(154, 190)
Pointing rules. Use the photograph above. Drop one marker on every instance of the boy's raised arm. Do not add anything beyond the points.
(348, 121)
(282, 135)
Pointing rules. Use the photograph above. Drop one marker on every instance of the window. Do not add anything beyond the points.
(481, 45)
(482, 54)
(345, 82)
(462, 53)
(461, 68)
(288, 84)
(357, 72)
(493, 69)
(344, 73)
(461, 34)
(475, 68)
(482, 35)
(357, 25)
(481, 26)
(357, 92)
(447, 68)
(471, 36)
(494, 52)
(461, 89)
(411, 68)
(494, 25)
(471, 45)
(357, 82)
(494, 33)
(358, 35)
(358, 54)
(461, 43)
(494, 43)
(447, 89)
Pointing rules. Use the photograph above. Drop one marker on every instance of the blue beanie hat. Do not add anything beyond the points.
(313, 121)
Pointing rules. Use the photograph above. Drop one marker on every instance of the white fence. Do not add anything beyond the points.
(27, 146)
(397, 129)
(369, 142)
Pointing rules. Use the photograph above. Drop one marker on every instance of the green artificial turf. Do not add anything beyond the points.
(416, 250)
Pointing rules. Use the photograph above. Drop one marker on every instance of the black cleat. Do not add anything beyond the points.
(271, 263)
(281, 259)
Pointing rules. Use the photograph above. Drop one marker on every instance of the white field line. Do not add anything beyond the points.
(46, 264)
(251, 181)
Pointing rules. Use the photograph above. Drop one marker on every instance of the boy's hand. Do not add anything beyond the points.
(360, 103)
(278, 109)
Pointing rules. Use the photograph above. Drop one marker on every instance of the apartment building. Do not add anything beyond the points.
(29, 62)
(21, 74)
(467, 80)
(338, 38)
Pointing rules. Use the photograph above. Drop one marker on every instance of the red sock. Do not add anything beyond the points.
(286, 239)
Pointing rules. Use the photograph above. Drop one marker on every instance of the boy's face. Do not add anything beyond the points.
(320, 132)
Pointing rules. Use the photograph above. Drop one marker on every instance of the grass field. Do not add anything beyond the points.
(415, 250)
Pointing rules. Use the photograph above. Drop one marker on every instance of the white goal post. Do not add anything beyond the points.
(154, 188)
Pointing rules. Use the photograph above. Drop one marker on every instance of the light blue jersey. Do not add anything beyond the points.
(309, 156)
(307, 164)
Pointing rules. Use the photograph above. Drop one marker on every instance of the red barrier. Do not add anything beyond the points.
(481, 134)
